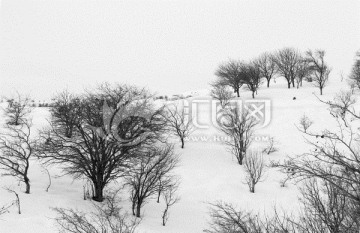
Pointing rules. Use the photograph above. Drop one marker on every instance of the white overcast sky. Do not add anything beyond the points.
(169, 46)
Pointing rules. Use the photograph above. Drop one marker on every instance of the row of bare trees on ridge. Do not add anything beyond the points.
(288, 63)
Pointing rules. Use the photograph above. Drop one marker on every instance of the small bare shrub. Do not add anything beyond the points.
(170, 199)
(305, 123)
(254, 167)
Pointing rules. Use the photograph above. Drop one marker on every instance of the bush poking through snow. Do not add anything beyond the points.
(324, 209)
(225, 218)
(270, 147)
(254, 165)
(5, 209)
(107, 217)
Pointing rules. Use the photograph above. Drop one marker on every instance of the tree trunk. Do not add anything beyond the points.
(165, 215)
(133, 207)
(289, 83)
(241, 150)
(253, 95)
(182, 143)
(99, 188)
(27, 183)
(268, 83)
(321, 91)
(159, 192)
(241, 157)
(138, 208)
(68, 132)
(237, 93)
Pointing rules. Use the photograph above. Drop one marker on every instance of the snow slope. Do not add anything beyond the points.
(208, 171)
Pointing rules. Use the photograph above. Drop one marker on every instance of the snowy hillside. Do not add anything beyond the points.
(207, 170)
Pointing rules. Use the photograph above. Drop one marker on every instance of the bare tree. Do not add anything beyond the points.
(107, 218)
(154, 165)
(115, 122)
(170, 199)
(65, 112)
(266, 64)
(355, 71)
(239, 127)
(286, 61)
(252, 77)
(254, 165)
(17, 148)
(305, 123)
(230, 74)
(319, 69)
(18, 109)
(45, 170)
(179, 122)
(221, 93)
(302, 72)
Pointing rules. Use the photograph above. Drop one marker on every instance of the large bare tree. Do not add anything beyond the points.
(302, 72)
(252, 77)
(65, 112)
(286, 61)
(266, 63)
(114, 123)
(18, 109)
(230, 74)
(319, 69)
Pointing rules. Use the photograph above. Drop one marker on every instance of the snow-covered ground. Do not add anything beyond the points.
(208, 171)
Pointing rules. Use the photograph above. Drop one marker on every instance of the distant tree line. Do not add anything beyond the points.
(288, 63)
